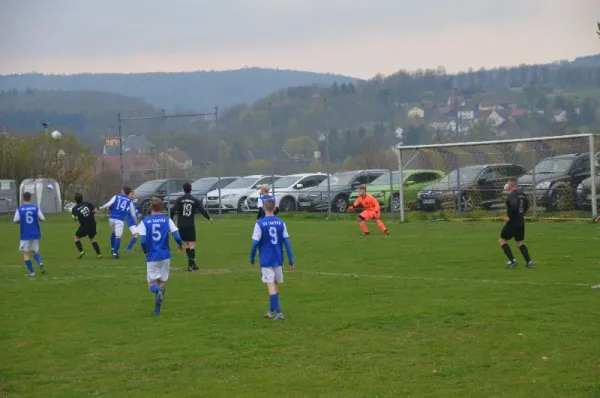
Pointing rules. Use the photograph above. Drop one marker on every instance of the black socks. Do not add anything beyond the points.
(507, 252)
(79, 245)
(525, 253)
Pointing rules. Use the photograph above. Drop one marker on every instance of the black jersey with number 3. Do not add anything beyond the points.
(186, 207)
(84, 212)
(516, 206)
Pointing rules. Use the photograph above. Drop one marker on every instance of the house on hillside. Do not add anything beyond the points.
(181, 159)
(132, 144)
(415, 112)
(559, 116)
(144, 164)
(496, 104)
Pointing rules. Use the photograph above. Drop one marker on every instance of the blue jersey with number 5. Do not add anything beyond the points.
(269, 232)
(28, 217)
(156, 228)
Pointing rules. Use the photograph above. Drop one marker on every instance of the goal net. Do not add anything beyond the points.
(555, 173)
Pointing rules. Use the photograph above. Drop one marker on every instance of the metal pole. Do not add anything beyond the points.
(167, 174)
(533, 185)
(273, 157)
(593, 172)
(120, 148)
(391, 191)
(327, 167)
(457, 162)
(401, 172)
(218, 154)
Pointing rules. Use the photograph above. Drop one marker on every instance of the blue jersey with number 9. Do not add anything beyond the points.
(270, 232)
(156, 228)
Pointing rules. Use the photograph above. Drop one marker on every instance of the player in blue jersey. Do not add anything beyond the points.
(29, 216)
(132, 224)
(269, 236)
(119, 206)
(154, 232)
(264, 195)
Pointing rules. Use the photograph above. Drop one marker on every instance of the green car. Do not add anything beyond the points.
(414, 181)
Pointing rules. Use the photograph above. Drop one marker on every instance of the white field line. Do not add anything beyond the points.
(218, 271)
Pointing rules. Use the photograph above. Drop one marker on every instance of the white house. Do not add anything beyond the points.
(416, 112)
(466, 115)
(494, 119)
(559, 116)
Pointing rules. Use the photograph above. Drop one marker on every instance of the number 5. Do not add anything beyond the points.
(156, 235)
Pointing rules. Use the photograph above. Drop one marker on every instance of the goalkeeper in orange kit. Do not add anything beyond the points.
(371, 211)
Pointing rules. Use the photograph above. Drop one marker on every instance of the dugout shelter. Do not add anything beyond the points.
(45, 193)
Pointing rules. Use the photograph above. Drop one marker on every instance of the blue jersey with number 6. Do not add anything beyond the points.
(156, 228)
(28, 217)
(269, 233)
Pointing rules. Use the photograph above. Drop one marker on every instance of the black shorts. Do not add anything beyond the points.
(188, 234)
(86, 230)
(513, 231)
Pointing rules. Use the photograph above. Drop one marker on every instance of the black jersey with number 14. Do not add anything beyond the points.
(186, 207)
(516, 206)
(84, 212)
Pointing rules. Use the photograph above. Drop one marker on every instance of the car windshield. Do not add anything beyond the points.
(285, 182)
(339, 179)
(551, 166)
(149, 186)
(244, 182)
(467, 174)
(384, 179)
(203, 184)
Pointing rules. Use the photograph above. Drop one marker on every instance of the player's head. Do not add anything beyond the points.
(269, 206)
(126, 190)
(362, 190)
(187, 187)
(131, 195)
(27, 197)
(156, 205)
(78, 197)
(264, 189)
(512, 183)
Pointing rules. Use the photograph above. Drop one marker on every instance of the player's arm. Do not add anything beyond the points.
(109, 203)
(525, 204)
(40, 215)
(276, 206)
(175, 208)
(256, 235)
(133, 213)
(288, 246)
(202, 209)
(141, 230)
(17, 217)
(175, 232)
(355, 204)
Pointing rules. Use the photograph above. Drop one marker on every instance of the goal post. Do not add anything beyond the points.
(555, 172)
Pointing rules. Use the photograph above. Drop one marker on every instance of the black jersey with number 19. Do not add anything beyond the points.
(84, 212)
(186, 207)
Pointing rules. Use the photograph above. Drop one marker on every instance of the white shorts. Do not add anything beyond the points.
(116, 226)
(272, 274)
(158, 270)
(29, 245)
(133, 229)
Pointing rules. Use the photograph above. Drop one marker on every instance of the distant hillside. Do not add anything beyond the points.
(183, 90)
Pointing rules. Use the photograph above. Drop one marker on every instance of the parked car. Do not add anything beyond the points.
(200, 188)
(159, 188)
(414, 181)
(341, 186)
(233, 197)
(287, 190)
(480, 186)
(556, 180)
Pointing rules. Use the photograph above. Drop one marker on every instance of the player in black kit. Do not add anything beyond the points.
(516, 207)
(84, 212)
(186, 207)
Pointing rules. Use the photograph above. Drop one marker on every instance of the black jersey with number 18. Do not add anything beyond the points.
(516, 206)
(186, 207)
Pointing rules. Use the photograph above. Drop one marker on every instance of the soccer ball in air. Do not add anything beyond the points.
(56, 135)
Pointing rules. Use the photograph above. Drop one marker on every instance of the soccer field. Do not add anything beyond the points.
(429, 311)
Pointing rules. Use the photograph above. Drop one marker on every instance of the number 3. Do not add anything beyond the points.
(156, 235)
(273, 234)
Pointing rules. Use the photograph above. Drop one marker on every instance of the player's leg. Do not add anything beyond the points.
(24, 248)
(153, 278)
(118, 234)
(278, 280)
(362, 221)
(268, 278)
(519, 240)
(35, 248)
(113, 237)
(80, 233)
(134, 238)
(92, 237)
(191, 246)
(505, 235)
(380, 224)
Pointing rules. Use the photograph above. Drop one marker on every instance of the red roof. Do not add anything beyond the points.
(518, 112)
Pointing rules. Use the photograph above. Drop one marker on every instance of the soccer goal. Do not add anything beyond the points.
(555, 172)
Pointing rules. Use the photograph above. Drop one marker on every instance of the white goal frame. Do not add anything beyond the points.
(591, 146)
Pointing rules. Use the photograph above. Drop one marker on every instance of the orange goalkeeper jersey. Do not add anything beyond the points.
(368, 203)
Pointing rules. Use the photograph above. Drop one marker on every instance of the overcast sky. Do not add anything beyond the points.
(353, 37)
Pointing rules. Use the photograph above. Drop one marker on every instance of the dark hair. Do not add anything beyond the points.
(26, 196)
(126, 190)
(156, 204)
(187, 187)
(78, 197)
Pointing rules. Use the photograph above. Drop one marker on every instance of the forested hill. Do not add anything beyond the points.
(183, 90)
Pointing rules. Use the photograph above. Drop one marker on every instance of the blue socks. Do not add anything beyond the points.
(274, 302)
(117, 245)
(112, 241)
(38, 258)
(131, 243)
(154, 288)
(29, 266)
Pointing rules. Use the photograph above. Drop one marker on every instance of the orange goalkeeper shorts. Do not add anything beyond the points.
(370, 215)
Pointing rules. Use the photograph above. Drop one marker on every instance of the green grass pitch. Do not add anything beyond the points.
(428, 312)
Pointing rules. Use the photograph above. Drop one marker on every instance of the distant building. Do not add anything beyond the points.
(416, 112)
(559, 116)
(132, 144)
(181, 159)
(496, 104)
